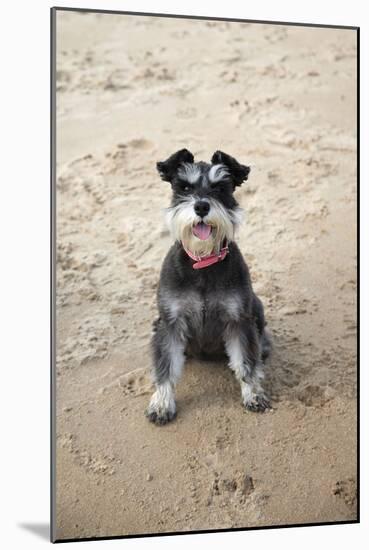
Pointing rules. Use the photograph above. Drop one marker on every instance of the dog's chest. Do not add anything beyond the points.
(203, 313)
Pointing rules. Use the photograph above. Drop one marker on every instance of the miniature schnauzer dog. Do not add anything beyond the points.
(206, 303)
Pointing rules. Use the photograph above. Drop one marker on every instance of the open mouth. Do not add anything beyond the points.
(202, 231)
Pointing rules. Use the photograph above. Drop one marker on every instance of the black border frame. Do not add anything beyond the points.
(53, 274)
(53, 126)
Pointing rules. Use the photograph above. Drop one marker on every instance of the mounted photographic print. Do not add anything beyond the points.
(204, 281)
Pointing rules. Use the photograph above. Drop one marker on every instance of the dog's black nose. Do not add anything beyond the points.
(202, 208)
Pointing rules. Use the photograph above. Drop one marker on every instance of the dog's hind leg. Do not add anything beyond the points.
(265, 337)
(168, 354)
(266, 344)
(243, 347)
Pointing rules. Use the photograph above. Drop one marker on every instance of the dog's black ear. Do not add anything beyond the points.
(168, 168)
(238, 172)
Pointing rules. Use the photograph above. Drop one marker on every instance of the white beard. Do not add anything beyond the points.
(182, 218)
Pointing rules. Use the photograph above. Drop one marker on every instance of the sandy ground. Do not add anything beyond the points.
(130, 91)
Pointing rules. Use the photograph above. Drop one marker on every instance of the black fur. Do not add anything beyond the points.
(179, 278)
(239, 172)
(168, 168)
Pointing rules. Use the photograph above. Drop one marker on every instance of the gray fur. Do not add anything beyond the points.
(211, 311)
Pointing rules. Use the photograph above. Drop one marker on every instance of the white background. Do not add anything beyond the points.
(24, 268)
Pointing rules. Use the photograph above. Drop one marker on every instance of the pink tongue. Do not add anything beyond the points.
(202, 231)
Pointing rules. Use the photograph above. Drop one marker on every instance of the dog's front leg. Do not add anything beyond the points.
(168, 350)
(243, 350)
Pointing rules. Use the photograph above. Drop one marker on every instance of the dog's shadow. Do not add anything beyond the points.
(206, 382)
(287, 378)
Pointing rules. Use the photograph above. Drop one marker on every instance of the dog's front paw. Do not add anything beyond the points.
(162, 406)
(253, 397)
(160, 418)
(257, 403)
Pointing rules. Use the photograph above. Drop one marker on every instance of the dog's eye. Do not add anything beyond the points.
(220, 185)
(185, 187)
(217, 186)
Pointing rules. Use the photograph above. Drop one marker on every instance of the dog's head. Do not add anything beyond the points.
(204, 211)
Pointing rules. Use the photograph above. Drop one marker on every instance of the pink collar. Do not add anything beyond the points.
(205, 261)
